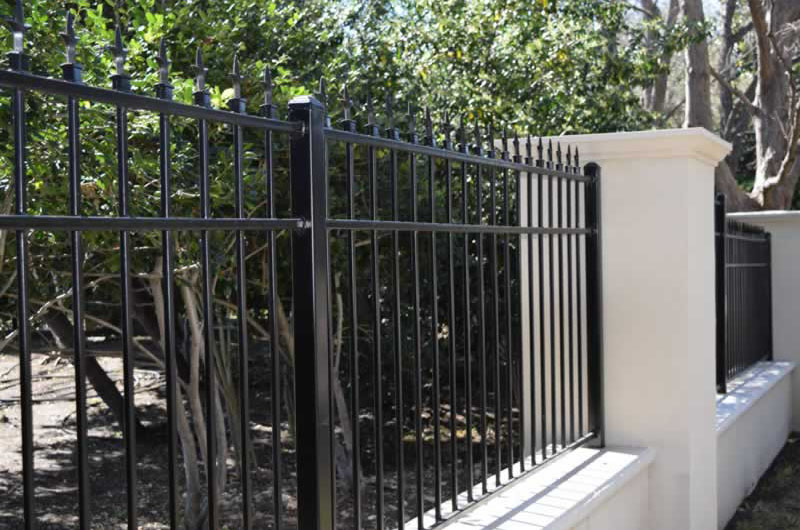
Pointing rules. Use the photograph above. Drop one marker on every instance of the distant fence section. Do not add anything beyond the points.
(744, 295)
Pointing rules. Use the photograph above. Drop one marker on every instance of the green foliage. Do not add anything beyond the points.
(548, 67)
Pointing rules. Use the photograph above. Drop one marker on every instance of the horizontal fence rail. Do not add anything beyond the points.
(744, 296)
(379, 328)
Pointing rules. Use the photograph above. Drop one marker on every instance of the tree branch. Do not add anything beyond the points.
(650, 11)
(740, 33)
(751, 107)
(762, 29)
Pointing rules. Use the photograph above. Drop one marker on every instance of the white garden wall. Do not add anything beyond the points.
(753, 421)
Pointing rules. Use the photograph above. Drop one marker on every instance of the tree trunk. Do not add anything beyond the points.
(771, 123)
(698, 102)
(698, 82)
(655, 96)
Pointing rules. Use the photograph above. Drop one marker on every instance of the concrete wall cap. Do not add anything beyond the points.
(696, 143)
(775, 216)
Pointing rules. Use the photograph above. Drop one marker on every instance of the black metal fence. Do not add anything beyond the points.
(744, 295)
(442, 330)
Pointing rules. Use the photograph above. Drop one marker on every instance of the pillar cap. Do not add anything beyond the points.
(695, 143)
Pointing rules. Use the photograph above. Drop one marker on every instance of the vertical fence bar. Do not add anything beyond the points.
(122, 82)
(350, 125)
(464, 148)
(493, 267)
(451, 323)
(239, 105)
(542, 322)
(203, 99)
(570, 305)
(268, 110)
(578, 292)
(768, 297)
(372, 162)
(326, 122)
(19, 61)
(430, 140)
(720, 228)
(164, 90)
(420, 500)
(552, 301)
(309, 278)
(481, 316)
(392, 134)
(594, 304)
(72, 73)
(562, 363)
(520, 346)
(509, 375)
(531, 292)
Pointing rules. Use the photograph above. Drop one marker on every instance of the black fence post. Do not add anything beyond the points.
(594, 305)
(720, 229)
(770, 332)
(310, 284)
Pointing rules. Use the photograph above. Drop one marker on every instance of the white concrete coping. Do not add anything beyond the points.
(695, 143)
(767, 215)
(559, 495)
(747, 388)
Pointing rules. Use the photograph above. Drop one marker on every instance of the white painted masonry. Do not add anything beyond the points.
(753, 421)
(658, 286)
(785, 230)
(586, 488)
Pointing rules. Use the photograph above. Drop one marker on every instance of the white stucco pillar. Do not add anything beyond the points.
(785, 230)
(659, 314)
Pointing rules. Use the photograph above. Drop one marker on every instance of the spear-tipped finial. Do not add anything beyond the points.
(370, 110)
(347, 103)
(70, 39)
(266, 82)
(462, 132)
(550, 150)
(201, 71)
(412, 121)
(428, 123)
(447, 127)
(478, 146)
(569, 156)
(18, 27)
(163, 63)
(119, 51)
(540, 149)
(558, 153)
(389, 111)
(236, 77)
(515, 142)
(528, 148)
(577, 159)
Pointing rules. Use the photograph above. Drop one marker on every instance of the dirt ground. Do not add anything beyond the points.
(775, 503)
(55, 453)
(55, 447)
